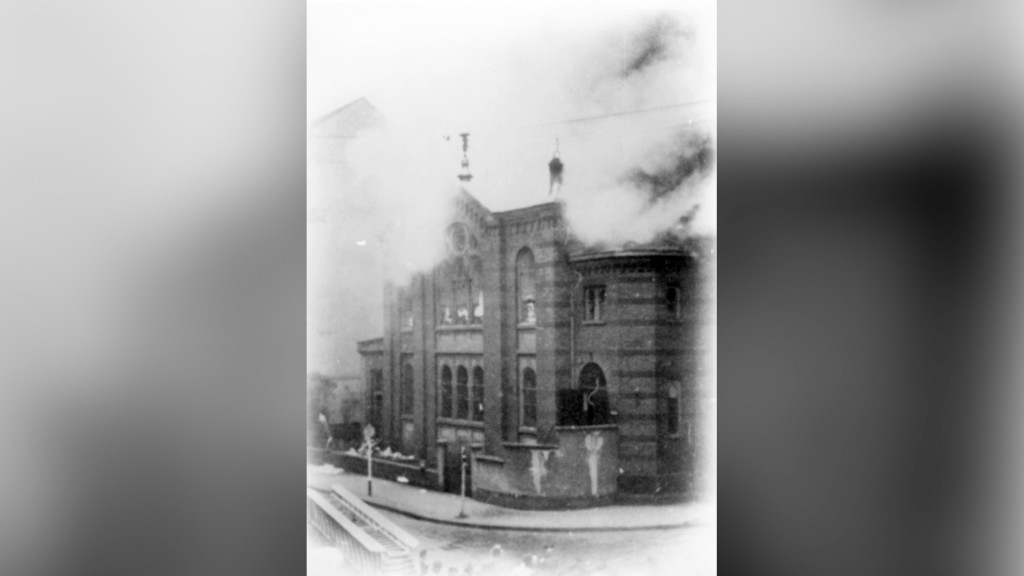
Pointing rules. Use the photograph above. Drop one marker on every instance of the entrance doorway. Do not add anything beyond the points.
(596, 406)
(451, 463)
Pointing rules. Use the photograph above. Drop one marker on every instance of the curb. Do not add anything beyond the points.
(520, 528)
(415, 516)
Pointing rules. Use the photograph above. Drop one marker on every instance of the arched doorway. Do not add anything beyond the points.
(596, 406)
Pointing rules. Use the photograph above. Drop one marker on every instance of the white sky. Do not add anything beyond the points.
(415, 59)
(496, 70)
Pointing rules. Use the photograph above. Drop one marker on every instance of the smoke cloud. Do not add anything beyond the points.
(628, 96)
(651, 172)
(378, 201)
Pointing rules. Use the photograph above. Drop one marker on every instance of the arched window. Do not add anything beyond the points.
(446, 392)
(445, 294)
(462, 393)
(407, 391)
(672, 410)
(526, 286)
(463, 287)
(478, 394)
(476, 294)
(594, 387)
(673, 301)
(529, 394)
(594, 298)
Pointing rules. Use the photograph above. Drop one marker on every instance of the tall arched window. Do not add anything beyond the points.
(446, 392)
(444, 287)
(407, 391)
(478, 394)
(462, 393)
(476, 271)
(529, 393)
(596, 408)
(672, 410)
(462, 284)
(674, 301)
(526, 286)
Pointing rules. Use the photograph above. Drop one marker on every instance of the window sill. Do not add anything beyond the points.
(594, 322)
(527, 326)
(460, 327)
(461, 422)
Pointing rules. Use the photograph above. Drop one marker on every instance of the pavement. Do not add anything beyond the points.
(444, 508)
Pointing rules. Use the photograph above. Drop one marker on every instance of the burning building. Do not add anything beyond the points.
(559, 343)
(572, 374)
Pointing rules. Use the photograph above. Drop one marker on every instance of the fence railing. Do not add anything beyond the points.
(371, 543)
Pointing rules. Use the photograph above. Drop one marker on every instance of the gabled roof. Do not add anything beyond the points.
(468, 207)
(347, 121)
(530, 212)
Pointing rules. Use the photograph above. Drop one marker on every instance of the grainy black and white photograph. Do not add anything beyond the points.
(511, 235)
(485, 236)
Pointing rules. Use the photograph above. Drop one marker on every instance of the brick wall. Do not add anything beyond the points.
(642, 349)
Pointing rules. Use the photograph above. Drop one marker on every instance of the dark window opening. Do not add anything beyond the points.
(462, 393)
(526, 285)
(673, 411)
(595, 407)
(529, 390)
(594, 297)
(446, 392)
(478, 394)
(673, 301)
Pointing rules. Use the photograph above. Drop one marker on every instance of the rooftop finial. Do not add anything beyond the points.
(465, 176)
(555, 167)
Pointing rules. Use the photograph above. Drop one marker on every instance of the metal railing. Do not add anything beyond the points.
(371, 543)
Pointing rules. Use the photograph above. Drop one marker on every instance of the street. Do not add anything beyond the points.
(676, 552)
(449, 549)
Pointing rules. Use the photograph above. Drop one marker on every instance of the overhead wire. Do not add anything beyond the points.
(486, 130)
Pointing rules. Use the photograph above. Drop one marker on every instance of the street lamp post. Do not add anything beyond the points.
(368, 433)
(462, 498)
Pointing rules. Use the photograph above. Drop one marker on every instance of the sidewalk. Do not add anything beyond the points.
(442, 507)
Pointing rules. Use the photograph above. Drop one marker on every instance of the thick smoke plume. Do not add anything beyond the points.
(656, 42)
(378, 201)
(629, 100)
(653, 172)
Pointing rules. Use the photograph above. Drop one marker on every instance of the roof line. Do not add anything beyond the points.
(323, 118)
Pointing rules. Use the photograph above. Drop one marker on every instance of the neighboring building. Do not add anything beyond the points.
(343, 307)
(571, 373)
